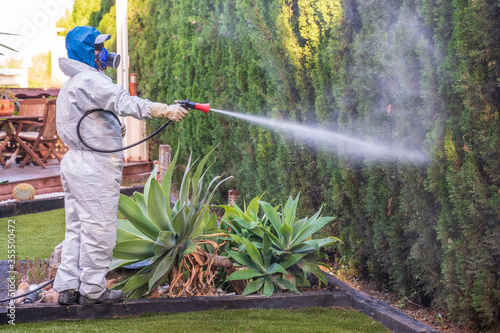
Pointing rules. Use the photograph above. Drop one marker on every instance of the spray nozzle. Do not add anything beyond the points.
(192, 105)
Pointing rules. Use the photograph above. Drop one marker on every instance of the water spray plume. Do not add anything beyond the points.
(347, 144)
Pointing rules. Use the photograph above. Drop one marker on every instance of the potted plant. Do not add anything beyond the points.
(7, 100)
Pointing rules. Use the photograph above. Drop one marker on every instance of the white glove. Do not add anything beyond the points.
(124, 129)
(174, 112)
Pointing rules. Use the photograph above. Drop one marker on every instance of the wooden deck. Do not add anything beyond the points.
(49, 181)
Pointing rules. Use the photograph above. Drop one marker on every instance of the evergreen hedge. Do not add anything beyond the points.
(416, 74)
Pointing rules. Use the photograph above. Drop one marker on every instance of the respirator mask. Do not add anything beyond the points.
(105, 59)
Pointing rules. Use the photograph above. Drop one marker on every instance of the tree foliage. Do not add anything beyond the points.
(39, 74)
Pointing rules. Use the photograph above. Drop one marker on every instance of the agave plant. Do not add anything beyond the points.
(261, 268)
(161, 234)
(278, 249)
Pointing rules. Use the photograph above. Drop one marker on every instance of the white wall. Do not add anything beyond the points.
(14, 77)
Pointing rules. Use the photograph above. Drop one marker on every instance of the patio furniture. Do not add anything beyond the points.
(11, 150)
(39, 145)
(33, 107)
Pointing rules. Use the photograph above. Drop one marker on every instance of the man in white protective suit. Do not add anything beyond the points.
(91, 180)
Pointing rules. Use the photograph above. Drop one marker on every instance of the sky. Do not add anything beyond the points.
(34, 23)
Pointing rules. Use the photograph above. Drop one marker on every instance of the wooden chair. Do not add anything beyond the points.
(33, 107)
(39, 145)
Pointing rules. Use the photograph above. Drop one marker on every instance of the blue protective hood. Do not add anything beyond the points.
(80, 44)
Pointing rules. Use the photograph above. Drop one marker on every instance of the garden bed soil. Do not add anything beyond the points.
(430, 316)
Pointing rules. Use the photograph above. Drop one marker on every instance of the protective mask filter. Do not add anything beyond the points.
(113, 60)
(106, 59)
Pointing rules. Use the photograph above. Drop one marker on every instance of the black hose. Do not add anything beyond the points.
(116, 117)
(31, 291)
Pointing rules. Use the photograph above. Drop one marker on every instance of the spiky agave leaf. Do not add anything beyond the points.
(148, 183)
(129, 227)
(134, 249)
(197, 180)
(206, 203)
(131, 210)
(272, 215)
(289, 210)
(157, 210)
(162, 270)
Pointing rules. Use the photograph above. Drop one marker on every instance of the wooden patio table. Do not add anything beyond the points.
(13, 127)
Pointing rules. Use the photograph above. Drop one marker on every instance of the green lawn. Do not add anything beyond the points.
(256, 320)
(36, 235)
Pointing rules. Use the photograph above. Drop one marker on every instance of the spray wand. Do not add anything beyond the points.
(192, 105)
(185, 103)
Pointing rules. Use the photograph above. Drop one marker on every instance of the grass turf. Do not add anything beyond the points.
(36, 235)
(337, 320)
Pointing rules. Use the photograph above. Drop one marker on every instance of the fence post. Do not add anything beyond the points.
(165, 157)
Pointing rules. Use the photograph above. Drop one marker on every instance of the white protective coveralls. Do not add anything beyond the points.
(91, 180)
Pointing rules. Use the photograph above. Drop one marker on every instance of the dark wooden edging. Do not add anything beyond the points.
(15, 208)
(49, 311)
(393, 319)
(41, 205)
